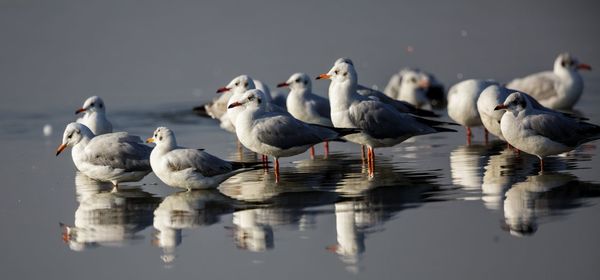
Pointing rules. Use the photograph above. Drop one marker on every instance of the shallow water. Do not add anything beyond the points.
(436, 208)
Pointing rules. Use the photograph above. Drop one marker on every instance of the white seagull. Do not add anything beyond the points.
(381, 125)
(559, 89)
(462, 103)
(113, 157)
(400, 105)
(433, 92)
(412, 89)
(542, 132)
(306, 106)
(94, 116)
(189, 168)
(277, 134)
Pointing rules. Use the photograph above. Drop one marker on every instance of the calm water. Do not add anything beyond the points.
(436, 208)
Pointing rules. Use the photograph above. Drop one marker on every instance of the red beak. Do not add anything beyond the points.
(583, 66)
(60, 149)
(222, 90)
(324, 77)
(283, 85)
(79, 111)
(423, 84)
(233, 105)
(500, 107)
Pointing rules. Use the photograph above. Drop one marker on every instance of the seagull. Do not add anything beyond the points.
(114, 157)
(381, 125)
(189, 168)
(412, 89)
(559, 89)
(237, 87)
(434, 92)
(277, 134)
(487, 101)
(94, 116)
(542, 132)
(400, 105)
(462, 103)
(306, 106)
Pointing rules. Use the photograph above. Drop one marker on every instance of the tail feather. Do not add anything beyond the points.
(424, 113)
(201, 111)
(341, 131)
(434, 122)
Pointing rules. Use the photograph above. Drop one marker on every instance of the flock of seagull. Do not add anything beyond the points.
(528, 113)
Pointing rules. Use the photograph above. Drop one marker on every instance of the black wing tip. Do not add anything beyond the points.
(444, 129)
(200, 111)
(240, 164)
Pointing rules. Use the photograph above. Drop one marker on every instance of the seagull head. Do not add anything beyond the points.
(565, 61)
(92, 104)
(163, 136)
(515, 102)
(343, 60)
(298, 81)
(412, 81)
(341, 72)
(240, 83)
(251, 98)
(74, 133)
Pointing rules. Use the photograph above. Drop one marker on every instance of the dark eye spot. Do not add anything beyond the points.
(345, 74)
(155, 135)
(297, 80)
(413, 80)
(70, 135)
(92, 105)
(246, 84)
(251, 97)
(237, 84)
(258, 100)
(336, 72)
(100, 105)
(160, 138)
(562, 63)
(306, 82)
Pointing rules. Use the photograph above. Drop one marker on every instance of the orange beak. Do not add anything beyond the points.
(222, 90)
(500, 107)
(583, 66)
(79, 111)
(233, 105)
(423, 84)
(283, 85)
(60, 148)
(323, 77)
(150, 140)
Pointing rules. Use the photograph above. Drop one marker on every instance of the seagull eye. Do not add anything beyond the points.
(237, 84)
(160, 138)
(70, 135)
(336, 72)
(297, 80)
(251, 97)
(413, 80)
(345, 74)
(100, 105)
(92, 105)
(246, 84)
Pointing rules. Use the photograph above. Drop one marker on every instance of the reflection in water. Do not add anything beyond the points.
(107, 218)
(251, 231)
(186, 210)
(544, 195)
(466, 165)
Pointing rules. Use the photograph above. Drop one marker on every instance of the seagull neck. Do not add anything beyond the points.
(342, 94)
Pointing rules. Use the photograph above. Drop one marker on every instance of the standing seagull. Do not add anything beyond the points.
(542, 132)
(399, 105)
(559, 89)
(462, 104)
(113, 157)
(94, 116)
(382, 125)
(412, 89)
(189, 168)
(277, 134)
(306, 106)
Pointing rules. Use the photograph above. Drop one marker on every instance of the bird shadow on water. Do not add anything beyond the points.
(514, 183)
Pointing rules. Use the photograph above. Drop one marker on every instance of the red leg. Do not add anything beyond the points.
(469, 134)
(326, 147)
(362, 153)
(541, 164)
(486, 135)
(312, 152)
(371, 161)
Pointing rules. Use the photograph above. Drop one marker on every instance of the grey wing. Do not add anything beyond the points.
(383, 121)
(558, 128)
(285, 132)
(119, 150)
(201, 162)
(321, 106)
(540, 86)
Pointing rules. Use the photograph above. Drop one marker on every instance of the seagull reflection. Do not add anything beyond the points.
(540, 196)
(250, 232)
(107, 218)
(466, 165)
(186, 210)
